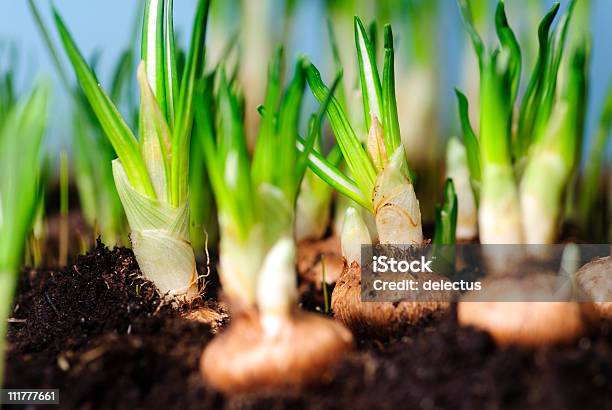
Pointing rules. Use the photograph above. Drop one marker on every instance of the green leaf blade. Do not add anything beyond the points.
(529, 106)
(193, 71)
(471, 144)
(335, 178)
(170, 69)
(153, 49)
(112, 123)
(446, 216)
(287, 174)
(390, 118)
(368, 73)
(356, 157)
(263, 168)
(468, 21)
(509, 42)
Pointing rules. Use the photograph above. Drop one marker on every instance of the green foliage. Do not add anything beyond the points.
(353, 152)
(21, 135)
(549, 127)
(471, 145)
(500, 72)
(174, 100)
(445, 230)
(92, 151)
(446, 216)
(379, 102)
(261, 189)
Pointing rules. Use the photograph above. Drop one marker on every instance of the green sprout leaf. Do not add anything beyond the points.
(353, 152)
(390, 122)
(466, 12)
(263, 168)
(112, 123)
(171, 88)
(288, 176)
(509, 42)
(153, 49)
(193, 71)
(370, 81)
(471, 144)
(529, 106)
(446, 216)
(336, 178)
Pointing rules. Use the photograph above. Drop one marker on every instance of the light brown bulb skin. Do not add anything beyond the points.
(243, 359)
(514, 311)
(595, 280)
(379, 318)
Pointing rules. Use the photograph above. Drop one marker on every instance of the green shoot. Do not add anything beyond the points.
(324, 285)
(255, 196)
(392, 136)
(535, 87)
(370, 81)
(544, 147)
(445, 230)
(446, 216)
(380, 168)
(355, 155)
(151, 173)
(471, 145)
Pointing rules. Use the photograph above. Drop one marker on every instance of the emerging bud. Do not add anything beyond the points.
(354, 234)
(396, 208)
(276, 286)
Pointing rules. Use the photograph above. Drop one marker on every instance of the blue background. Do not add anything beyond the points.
(105, 26)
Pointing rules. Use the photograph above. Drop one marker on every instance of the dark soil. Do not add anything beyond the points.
(97, 332)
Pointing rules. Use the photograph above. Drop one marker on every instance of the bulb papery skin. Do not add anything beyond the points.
(277, 286)
(376, 144)
(541, 189)
(354, 234)
(239, 263)
(457, 169)
(155, 135)
(396, 208)
(499, 216)
(312, 213)
(160, 240)
(595, 279)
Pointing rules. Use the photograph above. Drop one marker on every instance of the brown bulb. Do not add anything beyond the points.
(244, 359)
(595, 280)
(523, 311)
(382, 318)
